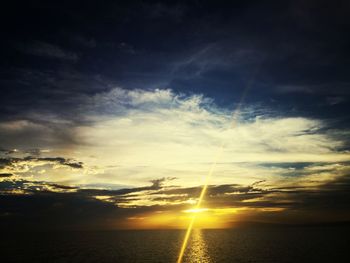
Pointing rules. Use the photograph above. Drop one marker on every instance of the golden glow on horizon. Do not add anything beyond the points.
(206, 218)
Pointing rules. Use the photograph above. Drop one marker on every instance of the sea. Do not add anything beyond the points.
(241, 245)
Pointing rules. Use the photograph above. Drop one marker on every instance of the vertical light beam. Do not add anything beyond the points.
(198, 205)
(235, 117)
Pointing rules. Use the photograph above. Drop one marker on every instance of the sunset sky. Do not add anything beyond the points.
(112, 115)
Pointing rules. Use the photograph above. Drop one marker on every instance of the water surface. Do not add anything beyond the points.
(293, 244)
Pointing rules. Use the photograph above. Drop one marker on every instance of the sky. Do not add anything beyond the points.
(113, 112)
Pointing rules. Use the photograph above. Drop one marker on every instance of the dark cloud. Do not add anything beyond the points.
(3, 175)
(33, 152)
(47, 50)
(49, 206)
(55, 206)
(53, 210)
(8, 151)
(126, 48)
(10, 186)
(40, 131)
(61, 160)
(155, 186)
(84, 42)
(188, 46)
(9, 162)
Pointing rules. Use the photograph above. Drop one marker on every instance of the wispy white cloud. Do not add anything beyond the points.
(129, 137)
(152, 133)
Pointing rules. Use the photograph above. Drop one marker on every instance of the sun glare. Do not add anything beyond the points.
(196, 210)
(205, 218)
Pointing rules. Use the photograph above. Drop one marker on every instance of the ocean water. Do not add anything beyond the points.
(292, 244)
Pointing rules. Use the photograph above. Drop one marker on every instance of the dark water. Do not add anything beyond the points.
(294, 244)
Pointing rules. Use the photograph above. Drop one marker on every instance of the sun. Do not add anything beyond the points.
(196, 210)
(206, 218)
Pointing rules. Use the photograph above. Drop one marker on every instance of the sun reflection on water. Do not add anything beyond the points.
(197, 250)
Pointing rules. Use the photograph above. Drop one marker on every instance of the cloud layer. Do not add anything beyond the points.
(125, 139)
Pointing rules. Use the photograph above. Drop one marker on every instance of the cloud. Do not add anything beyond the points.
(62, 161)
(85, 42)
(29, 165)
(43, 49)
(2, 175)
(125, 47)
(336, 92)
(149, 133)
(100, 208)
(44, 131)
(335, 100)
(15, 186)
(126, 139)
(215, 56)
(161, 10)
(129, 137)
